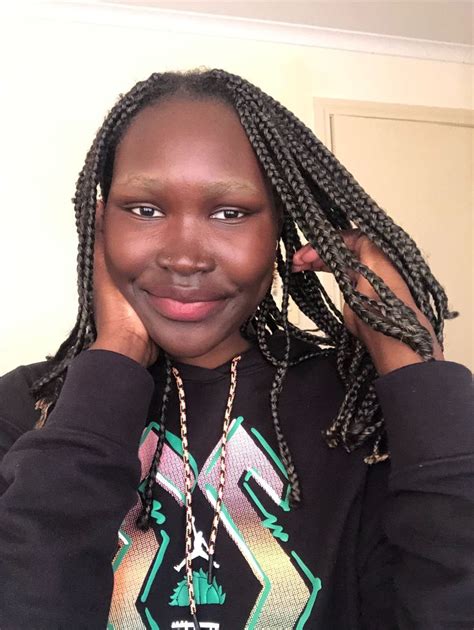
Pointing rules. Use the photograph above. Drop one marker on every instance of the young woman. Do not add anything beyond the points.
(170, 466)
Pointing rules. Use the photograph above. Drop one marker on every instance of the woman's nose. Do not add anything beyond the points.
(185, 253)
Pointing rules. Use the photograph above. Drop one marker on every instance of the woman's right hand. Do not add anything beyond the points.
(118, 326)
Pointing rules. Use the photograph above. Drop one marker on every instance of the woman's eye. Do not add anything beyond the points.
(228, 213)
(146, 211)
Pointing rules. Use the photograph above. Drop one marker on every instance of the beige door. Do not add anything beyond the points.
(417, 164)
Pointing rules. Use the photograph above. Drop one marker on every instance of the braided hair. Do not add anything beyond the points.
(318, 198)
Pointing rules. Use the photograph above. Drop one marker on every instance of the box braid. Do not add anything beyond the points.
(371, 220)
(143, 521)
(340, 258)
(319, 198)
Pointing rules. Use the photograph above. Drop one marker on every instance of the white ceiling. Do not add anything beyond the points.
(442, 21)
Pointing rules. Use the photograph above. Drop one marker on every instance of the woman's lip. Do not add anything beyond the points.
(184, 311)
(182, 293)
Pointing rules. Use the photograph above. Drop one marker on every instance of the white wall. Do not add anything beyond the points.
(58, 79)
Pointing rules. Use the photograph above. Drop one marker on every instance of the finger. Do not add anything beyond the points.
(355, 241)
(307, 259)
(352, 239)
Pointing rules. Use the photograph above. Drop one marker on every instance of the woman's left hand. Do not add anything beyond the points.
(387, 353)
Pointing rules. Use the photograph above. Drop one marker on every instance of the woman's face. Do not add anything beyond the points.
(190, 229)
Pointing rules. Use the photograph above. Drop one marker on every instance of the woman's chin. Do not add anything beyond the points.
(203, 352)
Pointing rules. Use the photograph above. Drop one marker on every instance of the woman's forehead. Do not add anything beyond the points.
(201, 139)
(179, 120)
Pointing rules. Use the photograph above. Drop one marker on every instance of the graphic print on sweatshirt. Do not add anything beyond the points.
(258, 575)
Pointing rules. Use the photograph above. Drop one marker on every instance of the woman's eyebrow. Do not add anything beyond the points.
(211, 188)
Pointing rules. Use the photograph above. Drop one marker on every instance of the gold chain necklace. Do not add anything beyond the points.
(188, 483)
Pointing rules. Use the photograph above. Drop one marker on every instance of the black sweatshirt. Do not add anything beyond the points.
(373, 547)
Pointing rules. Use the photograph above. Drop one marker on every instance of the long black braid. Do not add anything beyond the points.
(144, 518)
(316, 195)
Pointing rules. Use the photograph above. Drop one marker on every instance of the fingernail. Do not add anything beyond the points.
(308, 256)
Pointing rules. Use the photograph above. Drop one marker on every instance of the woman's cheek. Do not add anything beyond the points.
(125, 257)
(254, 265)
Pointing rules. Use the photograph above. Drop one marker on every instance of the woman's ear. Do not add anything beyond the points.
(99, 217)
(280, 218)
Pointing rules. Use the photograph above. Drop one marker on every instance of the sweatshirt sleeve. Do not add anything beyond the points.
(64, 491)
(423, 563)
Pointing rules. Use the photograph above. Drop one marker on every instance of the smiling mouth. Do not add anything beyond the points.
(179, 311)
